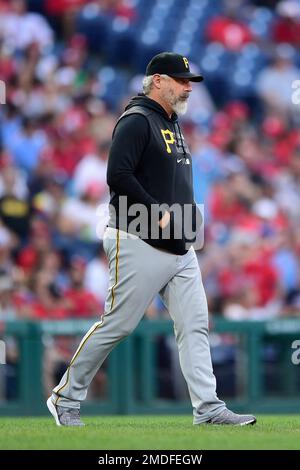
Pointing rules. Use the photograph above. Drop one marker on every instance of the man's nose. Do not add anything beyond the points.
(188, 87)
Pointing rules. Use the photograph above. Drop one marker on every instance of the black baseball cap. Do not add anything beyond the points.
(174, 65)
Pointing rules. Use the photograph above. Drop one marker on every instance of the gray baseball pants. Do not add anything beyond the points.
(138, 272)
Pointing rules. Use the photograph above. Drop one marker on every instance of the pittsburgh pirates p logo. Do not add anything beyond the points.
(186, 62)
(168, 138)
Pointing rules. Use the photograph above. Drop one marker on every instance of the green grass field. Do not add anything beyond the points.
(149, 432)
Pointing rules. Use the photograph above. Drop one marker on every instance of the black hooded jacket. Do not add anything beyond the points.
(150, 163)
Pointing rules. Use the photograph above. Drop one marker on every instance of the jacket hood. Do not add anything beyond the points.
(144, 101)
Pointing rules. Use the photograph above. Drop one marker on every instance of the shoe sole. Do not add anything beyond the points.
(245, 423)
(52, 409)
(251, 421)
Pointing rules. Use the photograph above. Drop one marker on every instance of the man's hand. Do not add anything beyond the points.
(164, 220)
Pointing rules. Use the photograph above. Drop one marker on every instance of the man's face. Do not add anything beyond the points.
(175, 91)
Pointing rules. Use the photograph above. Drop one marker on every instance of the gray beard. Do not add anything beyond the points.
(180, 107)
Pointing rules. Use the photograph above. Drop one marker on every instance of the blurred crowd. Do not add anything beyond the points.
(63, 96)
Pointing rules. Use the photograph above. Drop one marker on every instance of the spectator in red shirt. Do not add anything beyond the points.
(82, 303)
(49, 302)
(58, 7)
(229, 31)
(287, 27)
(248, 268)
(230, 200)
(64, 13)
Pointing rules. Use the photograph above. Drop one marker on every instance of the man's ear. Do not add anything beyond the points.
(157, 80)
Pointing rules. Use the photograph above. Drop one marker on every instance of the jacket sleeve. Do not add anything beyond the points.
(130, 139)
